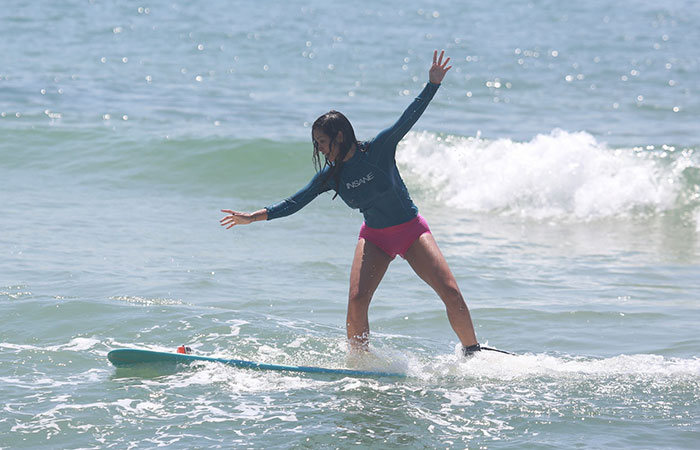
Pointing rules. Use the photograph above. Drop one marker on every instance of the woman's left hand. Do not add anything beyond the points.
(439, 68)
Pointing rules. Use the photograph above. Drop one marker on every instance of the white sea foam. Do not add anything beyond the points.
(505, 367)
(147, 301)
(78, 344)
(558, 175)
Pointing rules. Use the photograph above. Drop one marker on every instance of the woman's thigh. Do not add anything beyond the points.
(427, 261)
(368, 268)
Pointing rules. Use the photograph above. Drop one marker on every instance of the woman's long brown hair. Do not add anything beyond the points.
(330, 124)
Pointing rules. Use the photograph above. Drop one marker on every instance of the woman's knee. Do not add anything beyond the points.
(358, 302)
(451, 295)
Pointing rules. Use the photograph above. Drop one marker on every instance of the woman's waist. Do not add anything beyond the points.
(390, 220)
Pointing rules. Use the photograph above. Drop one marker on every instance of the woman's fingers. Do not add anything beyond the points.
(229, 220)
(235, 218)
(439, 68)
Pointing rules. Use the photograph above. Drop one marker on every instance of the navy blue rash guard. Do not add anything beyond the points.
(370, 180)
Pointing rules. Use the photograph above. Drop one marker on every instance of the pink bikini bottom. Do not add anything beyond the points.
(396, 240)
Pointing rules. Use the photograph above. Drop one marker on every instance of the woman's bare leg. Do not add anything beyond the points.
(368, 268)
(427, 261)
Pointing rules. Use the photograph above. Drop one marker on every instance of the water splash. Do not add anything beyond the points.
(560, 175)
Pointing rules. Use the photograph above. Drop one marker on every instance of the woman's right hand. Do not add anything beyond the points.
(236, 218)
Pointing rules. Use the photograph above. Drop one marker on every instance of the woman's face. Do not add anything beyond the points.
(323, 144)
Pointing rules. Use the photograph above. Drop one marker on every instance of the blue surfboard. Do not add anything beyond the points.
(127, 357)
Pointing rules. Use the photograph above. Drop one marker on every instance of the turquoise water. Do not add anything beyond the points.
(558, 167)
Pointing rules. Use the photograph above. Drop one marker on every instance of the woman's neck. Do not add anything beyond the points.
(351, 153)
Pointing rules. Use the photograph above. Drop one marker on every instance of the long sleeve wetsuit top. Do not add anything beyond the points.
(370, 180)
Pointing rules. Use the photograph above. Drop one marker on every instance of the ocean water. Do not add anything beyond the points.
(558, 167)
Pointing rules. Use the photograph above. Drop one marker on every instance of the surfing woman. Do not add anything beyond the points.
(365, 176)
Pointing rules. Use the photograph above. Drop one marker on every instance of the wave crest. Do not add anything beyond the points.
(557, 175)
